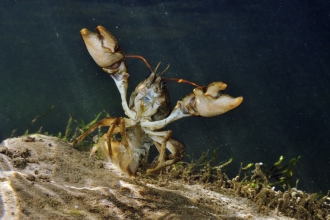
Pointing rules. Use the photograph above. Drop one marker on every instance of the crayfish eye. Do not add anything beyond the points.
(115, 65)
(162, 84)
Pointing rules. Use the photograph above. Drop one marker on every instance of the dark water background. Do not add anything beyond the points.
(273, 53)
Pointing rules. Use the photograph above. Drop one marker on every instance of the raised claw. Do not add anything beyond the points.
(103, 47)
(208, 101)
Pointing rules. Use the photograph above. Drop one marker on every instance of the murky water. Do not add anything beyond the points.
(274, 55)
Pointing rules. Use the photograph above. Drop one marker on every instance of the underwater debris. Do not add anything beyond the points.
(258, 173)
(68, 128)
(201, 170)
(255, 186)
(13, 133)
(280, 172)
(43, 115)
(39, 130)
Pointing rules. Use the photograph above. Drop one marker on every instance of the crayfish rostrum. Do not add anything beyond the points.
(148, 109)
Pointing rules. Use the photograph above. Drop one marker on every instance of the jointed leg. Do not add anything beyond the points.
(160, 138)
(106, 138)
(162, 141)
(103, 122)
(117, 125)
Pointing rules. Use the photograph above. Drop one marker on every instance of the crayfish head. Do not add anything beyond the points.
(103, 48)
(150, 98)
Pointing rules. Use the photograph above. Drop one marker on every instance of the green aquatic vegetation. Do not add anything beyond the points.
(32, 123)
(76, 213)
(247, 166)
(68, 128)
(86, 127)
(204, 169)
(256, 185)
(278, 174)
(81, 127)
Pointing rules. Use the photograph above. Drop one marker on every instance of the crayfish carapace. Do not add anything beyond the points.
(148, 109)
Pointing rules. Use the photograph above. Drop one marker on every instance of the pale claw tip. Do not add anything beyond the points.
(214, 88)
(209, 107)
(84, 31)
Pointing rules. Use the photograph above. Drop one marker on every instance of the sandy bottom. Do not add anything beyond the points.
(42, 177)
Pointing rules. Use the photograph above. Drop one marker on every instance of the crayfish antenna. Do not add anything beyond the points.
(168, 66)
(158, 64)
(180, 81)
(142, 58)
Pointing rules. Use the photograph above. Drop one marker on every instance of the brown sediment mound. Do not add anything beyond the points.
(43, 177)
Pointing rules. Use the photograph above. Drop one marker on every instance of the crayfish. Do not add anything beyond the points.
(148, 109)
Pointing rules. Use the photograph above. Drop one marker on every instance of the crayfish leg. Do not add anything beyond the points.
(160, 141)
(101, 123)
(108, 135)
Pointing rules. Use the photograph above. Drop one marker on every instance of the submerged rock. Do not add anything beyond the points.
(55, 181)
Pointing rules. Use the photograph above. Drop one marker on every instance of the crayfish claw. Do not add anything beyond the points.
(102, 46)
(209, 101)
